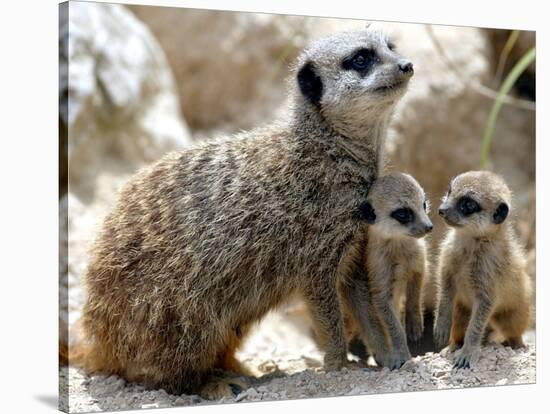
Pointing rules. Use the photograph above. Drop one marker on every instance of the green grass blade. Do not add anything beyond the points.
(508, 83)
(512, 40)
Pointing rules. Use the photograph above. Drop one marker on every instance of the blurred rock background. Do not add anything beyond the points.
(144, 80)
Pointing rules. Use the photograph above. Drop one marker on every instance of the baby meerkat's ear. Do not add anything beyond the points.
(366, 212)
(310, 83)
(501, 213)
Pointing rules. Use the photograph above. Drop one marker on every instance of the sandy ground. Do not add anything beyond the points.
(281, 350)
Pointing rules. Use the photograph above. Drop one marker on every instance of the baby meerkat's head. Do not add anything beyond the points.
(476, 201)
(397, 207)
(352, 76)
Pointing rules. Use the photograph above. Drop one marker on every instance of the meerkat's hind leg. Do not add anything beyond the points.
(512, 324)
(515, 343)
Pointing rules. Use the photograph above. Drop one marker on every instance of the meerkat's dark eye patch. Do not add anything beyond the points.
(310, 84)
(361, 61)
(403, 215)
(390, 45)
(468, 206)
(501, 213)
(366, 212)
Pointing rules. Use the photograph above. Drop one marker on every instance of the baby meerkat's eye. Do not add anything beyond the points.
(403, 215)
(391, 45)
(425, 206)
(468, 206)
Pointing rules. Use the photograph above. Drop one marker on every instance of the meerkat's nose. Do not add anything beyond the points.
(429, 227)
(406, 66)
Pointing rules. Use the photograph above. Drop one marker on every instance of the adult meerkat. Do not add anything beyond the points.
(482, 276)
(394, 267)
(206, 241)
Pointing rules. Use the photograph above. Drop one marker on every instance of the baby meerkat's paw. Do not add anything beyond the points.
(466, 358)
(415, 329)
(220, 387)
(441, 336)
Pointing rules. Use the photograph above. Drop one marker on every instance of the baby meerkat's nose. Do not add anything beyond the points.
(406, 67)
(429, 227)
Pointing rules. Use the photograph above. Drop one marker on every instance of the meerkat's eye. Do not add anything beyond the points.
(391, 45)
(361, 61)
(424, 206)
(403, 215)
(468, 206)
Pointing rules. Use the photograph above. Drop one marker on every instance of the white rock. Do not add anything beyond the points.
(120, 90)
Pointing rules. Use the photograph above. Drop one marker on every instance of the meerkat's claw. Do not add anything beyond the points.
(395, 360)
(465, 359)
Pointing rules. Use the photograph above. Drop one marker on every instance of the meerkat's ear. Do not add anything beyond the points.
(310, 83)
(500, 213)
(366, 212)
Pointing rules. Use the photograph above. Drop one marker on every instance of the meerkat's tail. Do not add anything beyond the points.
(76, 351)
(71, 349)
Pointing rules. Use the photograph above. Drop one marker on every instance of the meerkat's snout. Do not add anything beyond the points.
(428, 227)
(421, 229)
(406, 67)
(449, 215)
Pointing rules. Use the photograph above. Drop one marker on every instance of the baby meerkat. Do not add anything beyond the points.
(482, 278)
(206, 241)
(394, 267)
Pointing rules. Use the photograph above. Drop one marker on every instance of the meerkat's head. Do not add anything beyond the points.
(397, 207)
(477, 202)
(352, 78)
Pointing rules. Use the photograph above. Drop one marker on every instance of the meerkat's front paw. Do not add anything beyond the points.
(466, 358)
(441, 336)
(415, 330)
(395, 359)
